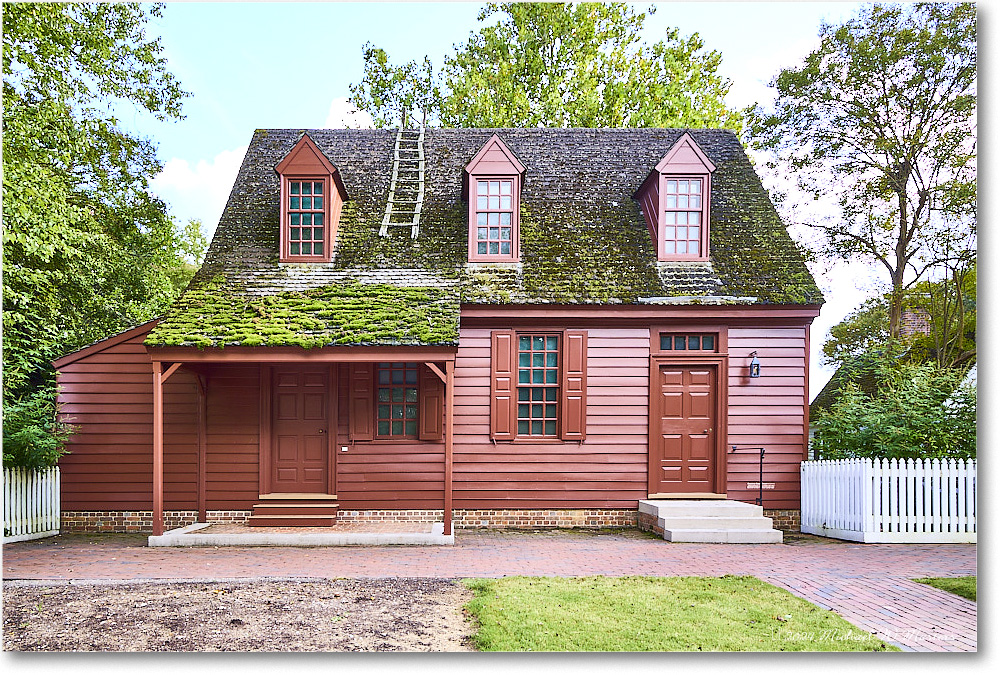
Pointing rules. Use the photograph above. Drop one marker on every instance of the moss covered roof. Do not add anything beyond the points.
(583, 240)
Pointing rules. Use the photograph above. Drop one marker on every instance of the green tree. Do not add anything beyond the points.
(914, 411)
(555, 65)
(883, 116)
(189, 246)
(85, 245)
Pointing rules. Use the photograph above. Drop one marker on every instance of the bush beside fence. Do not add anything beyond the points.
(890, 500)
(30, 504)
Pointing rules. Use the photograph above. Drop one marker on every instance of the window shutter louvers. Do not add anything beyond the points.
(431, 405)
(503, 371)
(362, 395)
(574, 386)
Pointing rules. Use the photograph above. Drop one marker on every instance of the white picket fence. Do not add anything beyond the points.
(30, 504)
(883, 500)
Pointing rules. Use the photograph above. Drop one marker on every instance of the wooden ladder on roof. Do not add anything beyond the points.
(406, 189)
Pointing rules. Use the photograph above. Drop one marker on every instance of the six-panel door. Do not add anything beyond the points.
(683, 452)
(301, 428)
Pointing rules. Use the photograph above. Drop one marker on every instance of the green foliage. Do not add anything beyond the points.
(555, 65)
(85, 245)
(190, 245)
(863, 331)
(33, 437)
(912, 411)
(631, 614)
(882, 116)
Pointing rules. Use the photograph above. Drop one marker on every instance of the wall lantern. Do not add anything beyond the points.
(754, 365)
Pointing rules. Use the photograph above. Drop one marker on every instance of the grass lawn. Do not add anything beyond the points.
(628, 614)
(964, 586)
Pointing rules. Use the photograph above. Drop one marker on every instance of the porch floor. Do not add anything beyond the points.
(339, 534)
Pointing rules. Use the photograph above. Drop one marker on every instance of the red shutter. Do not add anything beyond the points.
(503, 387)
(431, 405)
(574, 385)
(362, 395)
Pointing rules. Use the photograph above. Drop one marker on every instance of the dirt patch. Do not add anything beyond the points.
(415, 615)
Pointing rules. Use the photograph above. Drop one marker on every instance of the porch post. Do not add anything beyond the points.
(449, 437)
(157, 448)
(202, 446)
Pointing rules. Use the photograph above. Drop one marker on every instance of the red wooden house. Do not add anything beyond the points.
(492, 327)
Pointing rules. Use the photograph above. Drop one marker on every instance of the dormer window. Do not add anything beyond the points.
(493, 187)
(674, 201)
(494, 217)
(307, 218)
(312, 195)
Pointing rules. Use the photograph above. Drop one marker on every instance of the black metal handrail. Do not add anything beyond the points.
(760, 483)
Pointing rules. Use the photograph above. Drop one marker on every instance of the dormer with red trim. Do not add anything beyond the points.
(312, 195)
(674, 200)
(494, 179)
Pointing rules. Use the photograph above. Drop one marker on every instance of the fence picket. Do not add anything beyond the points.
(890, 500)
(31, 503)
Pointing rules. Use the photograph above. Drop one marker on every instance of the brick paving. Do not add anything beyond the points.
(867, 584)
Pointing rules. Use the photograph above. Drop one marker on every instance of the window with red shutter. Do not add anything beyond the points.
(539, 385)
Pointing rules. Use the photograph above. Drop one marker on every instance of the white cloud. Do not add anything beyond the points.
(343, 115)
(199, 191)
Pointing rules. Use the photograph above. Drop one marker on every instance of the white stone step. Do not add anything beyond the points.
(714, 523)
(724, 536)
(699, 507)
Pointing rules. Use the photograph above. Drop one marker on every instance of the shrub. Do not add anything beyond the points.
(915, 411)
(33, 437)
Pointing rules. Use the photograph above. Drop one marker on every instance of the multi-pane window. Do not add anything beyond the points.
(494, 217)
(537, 385)
(685, 342)
(682, 219)
(306, 218)
(396, 407)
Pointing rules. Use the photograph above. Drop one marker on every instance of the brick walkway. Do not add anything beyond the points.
(867, 584)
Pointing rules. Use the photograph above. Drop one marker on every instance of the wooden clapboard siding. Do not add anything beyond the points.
(606, 469)
(232, 436)
(107, 395)
(768, 411)
(385, 474)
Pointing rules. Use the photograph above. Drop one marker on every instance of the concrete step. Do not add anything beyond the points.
(663, 508)
(291, 521)
(714, 523)
(724, 536)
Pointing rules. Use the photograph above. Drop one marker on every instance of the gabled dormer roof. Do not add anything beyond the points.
(685, 157)
(307, 159)
(493, 158)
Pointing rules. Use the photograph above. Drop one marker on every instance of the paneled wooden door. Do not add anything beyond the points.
(301, 447)
(683, 443)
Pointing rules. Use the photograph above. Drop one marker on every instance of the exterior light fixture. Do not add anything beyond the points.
(754, 365)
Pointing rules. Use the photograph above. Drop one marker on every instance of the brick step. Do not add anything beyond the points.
(291, 521)
(279, 509)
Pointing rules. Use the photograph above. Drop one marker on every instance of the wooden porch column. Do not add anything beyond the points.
(157, 448)
(202, 446)
(449, 438)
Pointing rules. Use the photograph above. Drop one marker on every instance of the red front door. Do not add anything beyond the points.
(683, 449)
(301, 429)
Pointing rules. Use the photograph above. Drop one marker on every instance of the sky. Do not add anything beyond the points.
(252, 65)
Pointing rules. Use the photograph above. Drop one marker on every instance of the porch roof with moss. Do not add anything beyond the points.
(583, 241)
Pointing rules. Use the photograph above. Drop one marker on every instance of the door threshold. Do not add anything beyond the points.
(297, 495)
(688, 495)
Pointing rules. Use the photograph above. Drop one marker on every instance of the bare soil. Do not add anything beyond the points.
(344, 615)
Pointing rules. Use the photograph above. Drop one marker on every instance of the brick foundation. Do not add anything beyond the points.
(786, 520)
(501, 519)
(140, 521)
(531, 519)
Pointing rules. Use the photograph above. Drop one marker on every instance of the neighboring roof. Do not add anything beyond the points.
(103, 344)
(583, 238)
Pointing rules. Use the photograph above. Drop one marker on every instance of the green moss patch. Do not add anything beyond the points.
(347, 313)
